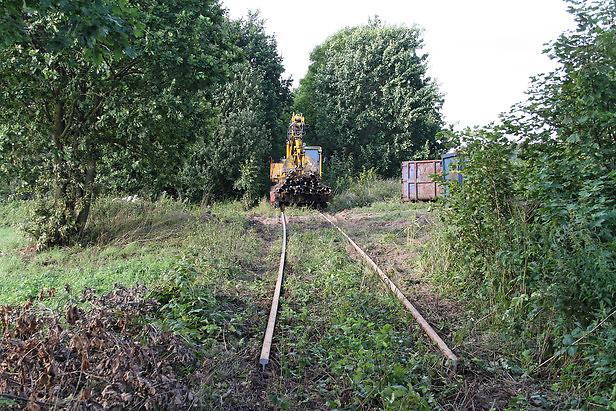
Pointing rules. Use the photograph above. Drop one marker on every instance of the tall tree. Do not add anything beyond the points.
(68, 106)
(232, 162)
(262, 54)
(250, 125)
(186, 55)
(369, 99)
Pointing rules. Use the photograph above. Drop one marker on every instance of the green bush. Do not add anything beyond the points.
(49, 225)
(532, 243)
(366, 189)
(533, 226)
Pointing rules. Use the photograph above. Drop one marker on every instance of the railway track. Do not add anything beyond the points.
(271, 323)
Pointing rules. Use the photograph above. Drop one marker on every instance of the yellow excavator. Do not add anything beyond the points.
(298, 175)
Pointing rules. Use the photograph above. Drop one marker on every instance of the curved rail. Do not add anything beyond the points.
(416, 314)
(271, 322)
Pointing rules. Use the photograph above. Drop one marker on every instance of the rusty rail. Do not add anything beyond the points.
(407, 304)
(271, 323)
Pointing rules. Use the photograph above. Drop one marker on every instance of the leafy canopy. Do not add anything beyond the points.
(369, 99)
(248, 129)
(96, 27)
(69, 111)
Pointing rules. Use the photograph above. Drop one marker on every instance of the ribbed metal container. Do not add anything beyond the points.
(417, 183)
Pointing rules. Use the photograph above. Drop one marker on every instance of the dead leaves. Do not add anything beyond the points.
(96, 359)
(72, 314)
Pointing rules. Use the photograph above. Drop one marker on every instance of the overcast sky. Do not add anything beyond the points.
(481, 52)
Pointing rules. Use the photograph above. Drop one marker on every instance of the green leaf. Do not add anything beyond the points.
(130, 52)
(573, 138)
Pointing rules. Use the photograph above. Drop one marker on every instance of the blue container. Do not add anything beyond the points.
(448, 159)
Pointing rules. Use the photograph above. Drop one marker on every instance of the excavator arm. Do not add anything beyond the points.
(296, 154)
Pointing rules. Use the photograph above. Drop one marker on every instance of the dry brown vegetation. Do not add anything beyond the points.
(103, 357)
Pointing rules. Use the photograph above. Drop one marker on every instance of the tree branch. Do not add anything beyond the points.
(70, 120)
(109, 65)
(96, 108)
(124, 71)
(578, 340)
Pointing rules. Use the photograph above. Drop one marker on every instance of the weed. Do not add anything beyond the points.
(354, 335)
(368, 189)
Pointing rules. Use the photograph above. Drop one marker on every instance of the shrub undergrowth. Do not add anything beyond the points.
(366, 189)
(532, 246)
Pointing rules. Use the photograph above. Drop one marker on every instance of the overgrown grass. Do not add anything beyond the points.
(216, 279)
(395, 207)
(346, 338)
(342, 340)
(125, 243)
(120, 222)
(367, 189)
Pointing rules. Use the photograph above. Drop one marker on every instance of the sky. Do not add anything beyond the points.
(481, 53)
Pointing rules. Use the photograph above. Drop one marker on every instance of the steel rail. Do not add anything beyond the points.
(407, 304)
(271, 323)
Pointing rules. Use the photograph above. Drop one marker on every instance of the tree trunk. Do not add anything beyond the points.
(87, 194)
(58, 129)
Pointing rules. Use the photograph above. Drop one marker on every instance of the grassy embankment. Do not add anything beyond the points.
(131, 242)
(127, 243)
